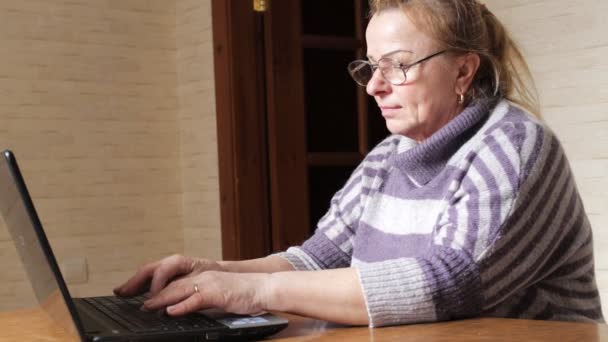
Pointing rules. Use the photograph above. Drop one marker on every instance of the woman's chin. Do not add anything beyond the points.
(399, 128)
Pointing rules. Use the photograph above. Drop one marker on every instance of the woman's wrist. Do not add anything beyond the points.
(226, 266)
(270, 293)
(269, 264)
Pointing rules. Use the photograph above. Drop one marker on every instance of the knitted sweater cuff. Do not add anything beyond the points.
(298, 259)
(396, 292)
(317, 253)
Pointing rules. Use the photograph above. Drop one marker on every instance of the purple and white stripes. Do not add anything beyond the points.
(482, 218)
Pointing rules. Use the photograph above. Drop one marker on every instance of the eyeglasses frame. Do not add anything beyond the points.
(404, 68)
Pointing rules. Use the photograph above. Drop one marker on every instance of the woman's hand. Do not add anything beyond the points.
(332, 295)
(154, 277)
(241, 293)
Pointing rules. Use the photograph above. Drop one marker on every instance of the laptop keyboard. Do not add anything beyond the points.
(126, 312)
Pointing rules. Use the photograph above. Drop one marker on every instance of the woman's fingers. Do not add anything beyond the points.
(193, 303)
(176, 292)
(155, 276)
(168, 269)
(137, 283)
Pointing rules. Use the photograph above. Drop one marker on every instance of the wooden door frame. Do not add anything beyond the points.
(241, 130)
(261, 128)
(286, 114)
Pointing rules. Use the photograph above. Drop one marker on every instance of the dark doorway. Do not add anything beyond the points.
(292, 125)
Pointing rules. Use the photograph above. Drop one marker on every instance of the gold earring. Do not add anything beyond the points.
(460, 98)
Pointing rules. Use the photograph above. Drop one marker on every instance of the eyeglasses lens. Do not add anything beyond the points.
(361, 72)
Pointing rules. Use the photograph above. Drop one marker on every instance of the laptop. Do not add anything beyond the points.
(106, 318)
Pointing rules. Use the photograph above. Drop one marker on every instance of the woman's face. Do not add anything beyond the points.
(429, 97)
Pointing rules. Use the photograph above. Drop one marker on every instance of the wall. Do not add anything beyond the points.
(97, 100)
(200, 184)
(566, 45)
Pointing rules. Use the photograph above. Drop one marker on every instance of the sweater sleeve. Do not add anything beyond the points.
(331, 246)
(445, 283)
(540, 263)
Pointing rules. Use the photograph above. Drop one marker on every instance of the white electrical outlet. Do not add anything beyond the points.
(74, 270)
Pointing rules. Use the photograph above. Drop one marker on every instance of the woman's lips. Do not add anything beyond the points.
(389, 111)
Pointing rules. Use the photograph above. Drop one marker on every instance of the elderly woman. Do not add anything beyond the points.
(468, 209)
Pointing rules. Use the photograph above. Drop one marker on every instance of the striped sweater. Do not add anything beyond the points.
(483, 218)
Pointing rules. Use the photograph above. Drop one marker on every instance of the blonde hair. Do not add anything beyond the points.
(468, 26)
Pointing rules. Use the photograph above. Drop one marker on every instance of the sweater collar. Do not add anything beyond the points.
(423, 161)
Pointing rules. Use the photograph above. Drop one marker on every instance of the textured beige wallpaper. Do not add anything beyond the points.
(199, 166)
(111, 114)
(566, 45)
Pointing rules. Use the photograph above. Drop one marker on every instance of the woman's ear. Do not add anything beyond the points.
(468, 65)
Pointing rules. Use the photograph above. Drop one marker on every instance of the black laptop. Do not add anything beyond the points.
(107, 318)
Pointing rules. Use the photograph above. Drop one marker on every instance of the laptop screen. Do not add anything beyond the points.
(32, 245)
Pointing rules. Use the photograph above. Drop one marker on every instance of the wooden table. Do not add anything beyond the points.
(35, 325)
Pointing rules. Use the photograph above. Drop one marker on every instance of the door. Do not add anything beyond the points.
(314, 124)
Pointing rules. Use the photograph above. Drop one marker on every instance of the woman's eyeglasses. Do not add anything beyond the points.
(394, 72)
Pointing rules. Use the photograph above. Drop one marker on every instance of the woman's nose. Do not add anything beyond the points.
(377, 84)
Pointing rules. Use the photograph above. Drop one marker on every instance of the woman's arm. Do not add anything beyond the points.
(269, 264)
(333, 295)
